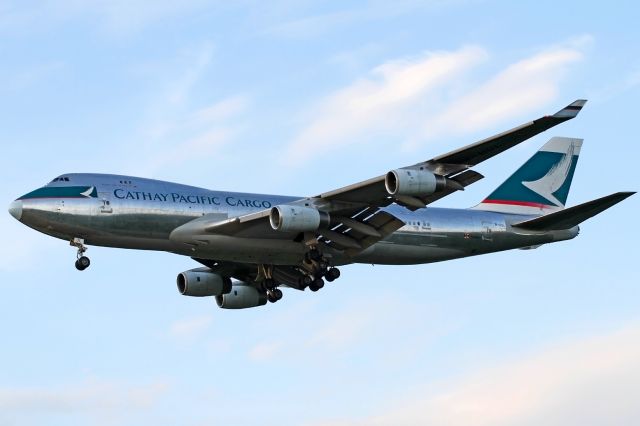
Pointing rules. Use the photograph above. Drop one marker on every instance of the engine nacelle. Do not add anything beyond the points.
(201, 282)
(297, 218)
(413, 182)
(241, 296)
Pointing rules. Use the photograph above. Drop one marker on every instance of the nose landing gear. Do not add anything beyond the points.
(82, 261)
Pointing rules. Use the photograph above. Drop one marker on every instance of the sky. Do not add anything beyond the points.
(299, 98)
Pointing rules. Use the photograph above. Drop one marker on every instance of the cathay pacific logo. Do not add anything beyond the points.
(548, 184)
(89, 192)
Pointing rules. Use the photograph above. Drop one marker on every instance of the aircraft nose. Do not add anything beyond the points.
(15, 209)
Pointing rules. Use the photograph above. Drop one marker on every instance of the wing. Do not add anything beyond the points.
(455, 164)
(357, 219)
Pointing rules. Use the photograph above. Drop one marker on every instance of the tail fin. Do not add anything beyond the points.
(541, 185)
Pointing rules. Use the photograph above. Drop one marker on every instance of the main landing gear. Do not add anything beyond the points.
(82, 261)
(311, 274)
(318, 268)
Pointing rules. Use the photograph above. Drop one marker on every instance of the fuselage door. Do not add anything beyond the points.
(486, 231)
(105, 203)
(490, 228)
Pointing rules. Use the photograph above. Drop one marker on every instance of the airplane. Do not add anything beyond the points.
(250, 245)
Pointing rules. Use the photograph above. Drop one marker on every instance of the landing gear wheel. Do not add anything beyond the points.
(274, 295)
(317, 284)
(305, 281)
(82, 263)
(332, 274)
(277, 293)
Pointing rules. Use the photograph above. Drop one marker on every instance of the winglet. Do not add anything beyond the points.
(571, 110)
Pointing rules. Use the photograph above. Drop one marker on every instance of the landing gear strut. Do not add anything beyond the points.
(82, 261)
(269, 285)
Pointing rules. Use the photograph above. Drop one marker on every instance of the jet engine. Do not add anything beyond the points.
(241, 296)
(202, 282)
(297, 218)
(413, 182)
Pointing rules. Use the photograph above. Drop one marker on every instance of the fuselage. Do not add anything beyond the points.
(138, 213)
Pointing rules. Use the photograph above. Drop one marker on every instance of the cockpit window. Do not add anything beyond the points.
(61, 179)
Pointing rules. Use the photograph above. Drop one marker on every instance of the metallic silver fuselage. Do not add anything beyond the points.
(137, 213)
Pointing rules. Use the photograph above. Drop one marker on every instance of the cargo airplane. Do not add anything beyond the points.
(250, 245)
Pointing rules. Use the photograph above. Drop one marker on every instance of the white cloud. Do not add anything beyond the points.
(424, 98)
(321, 23)
(221, 110)
(379, 100)
(521, 87)
(198, 63)
(343, 329)
(264, 351)
(190, 328)
(29, 76)
(89, 396)
(177, 128)
(591, 381)
(116, 18)
(201, 146)
(612, 89)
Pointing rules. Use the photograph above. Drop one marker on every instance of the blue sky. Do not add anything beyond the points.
(299, 98)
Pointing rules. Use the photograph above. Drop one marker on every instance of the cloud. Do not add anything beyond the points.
(178, 128)
(264, 351)
(612, 89)
(591, 381)
(521, 87)
(196, 134)
(116, 18)
(190, 328)
(420, 99)
(27, 77)
(93, 395)
(344, 328)
(317, 24)
(378, 100)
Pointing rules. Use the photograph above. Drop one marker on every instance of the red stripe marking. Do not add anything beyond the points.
(518, 203)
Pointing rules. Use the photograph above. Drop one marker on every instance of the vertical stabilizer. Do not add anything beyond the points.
(542, 184)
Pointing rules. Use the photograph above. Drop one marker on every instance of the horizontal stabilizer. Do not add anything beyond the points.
(572, 216)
